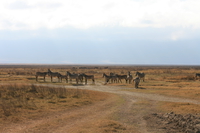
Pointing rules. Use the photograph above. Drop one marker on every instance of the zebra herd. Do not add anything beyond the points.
(116, 78)
(70, 76)
(79, 77)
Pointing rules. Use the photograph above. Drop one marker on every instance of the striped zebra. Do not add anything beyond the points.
(136, 81)
(140, 75)
(113, 78)
(64, 77)
(120, 77)
(43, 74)
(73, 76)
(197, 75)
(88, 77)
(107, 78)
(80, 77)
(54, 74)
(129, 78)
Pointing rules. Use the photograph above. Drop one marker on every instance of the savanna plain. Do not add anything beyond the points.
(167, 101)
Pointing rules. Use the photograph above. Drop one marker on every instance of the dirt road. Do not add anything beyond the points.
(123, 112)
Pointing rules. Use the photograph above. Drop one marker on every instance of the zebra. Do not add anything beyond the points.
(80, 77)
(73, 76)
(107, 78)
(113, 77)
(140, 75)
(54, 74)
(120, 77)
(136, 81)
(88, 77)
(129, 78)
(64, 77)
(43, 74)
(197, 75)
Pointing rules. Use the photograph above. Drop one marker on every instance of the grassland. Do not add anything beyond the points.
(20, 98)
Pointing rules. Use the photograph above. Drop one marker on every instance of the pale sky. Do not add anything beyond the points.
(149, 32)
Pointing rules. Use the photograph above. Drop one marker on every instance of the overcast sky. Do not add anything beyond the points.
(149, 32)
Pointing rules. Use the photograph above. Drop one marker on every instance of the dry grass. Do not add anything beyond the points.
(167, 80)
(176, 81)
(19, 102)
(179, 108)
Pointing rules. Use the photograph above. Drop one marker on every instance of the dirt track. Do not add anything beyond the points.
(105, 116)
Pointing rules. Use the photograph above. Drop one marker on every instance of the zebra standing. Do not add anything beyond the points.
(129, 78)
(43, 74)
(107, 78)
(140, 75)
(80, 77)
(197, 75)
(64, 77)
(73, 76)
(120, 77)
(54, 74)
(136, 81)
(88, 77)
(113, 78)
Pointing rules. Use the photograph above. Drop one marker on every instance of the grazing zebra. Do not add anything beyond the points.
(43, 74)
(64, 77)
(107, 78)
(120, 77)
(73, 76)
(129, 78)
(88, 77)
(197, 75)
(136, 81)
(54, 74)
(140, 75)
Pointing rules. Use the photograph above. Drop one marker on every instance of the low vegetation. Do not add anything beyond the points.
(177, 81)
(23, 101)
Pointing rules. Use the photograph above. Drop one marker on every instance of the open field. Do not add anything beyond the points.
(165, 89)
(166, 80)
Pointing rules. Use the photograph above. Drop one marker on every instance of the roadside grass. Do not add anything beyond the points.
(183, 89)
(179, 108)
(18, 101)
